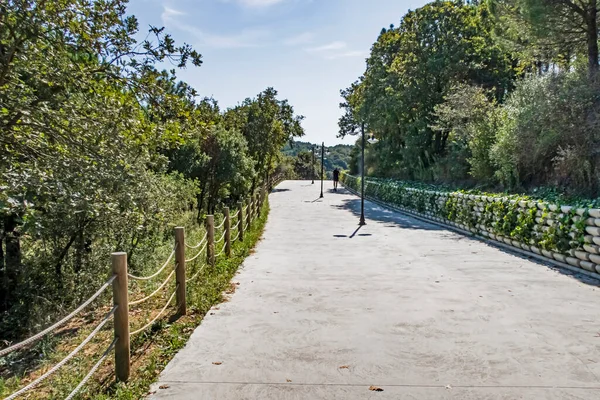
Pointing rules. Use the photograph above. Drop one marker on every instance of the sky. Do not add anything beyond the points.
(306, 49)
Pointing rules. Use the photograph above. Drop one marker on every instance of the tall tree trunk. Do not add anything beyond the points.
(12, 258)
(592, 38)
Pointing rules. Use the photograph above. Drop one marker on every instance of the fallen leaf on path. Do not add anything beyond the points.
(288, 380)
(163, 387)
(375, 389)
(217, 362)
(448, 387)
(344, 367)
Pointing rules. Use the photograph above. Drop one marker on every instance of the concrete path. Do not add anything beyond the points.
(324, 311)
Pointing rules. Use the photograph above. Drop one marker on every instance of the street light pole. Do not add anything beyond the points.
(362, 178)
(312, 173)
(322, 162)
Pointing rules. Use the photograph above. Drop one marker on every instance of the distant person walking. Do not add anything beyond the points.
(336, 178)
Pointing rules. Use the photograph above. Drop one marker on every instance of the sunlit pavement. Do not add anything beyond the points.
(325, 311)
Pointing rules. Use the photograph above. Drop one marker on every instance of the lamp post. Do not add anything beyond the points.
(322, 165)
(313, 165)
(362, 173)
(324, 151)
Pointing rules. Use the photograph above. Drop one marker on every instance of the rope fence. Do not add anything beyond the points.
(233, 227)
(64, 360)
(221, 238)
(198, 254)
(193, 277)
(143, 328)
(60, 323)
(199, 243)
(162, 285)
(154, 275)
(93, 370)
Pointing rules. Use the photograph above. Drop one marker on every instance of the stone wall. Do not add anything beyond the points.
(565, 234)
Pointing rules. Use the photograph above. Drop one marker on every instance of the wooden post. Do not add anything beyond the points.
(249, 217)
(261, 201)
(241, 220)
(227, 233)
(180, 270)
(121, 317)
(210, 229)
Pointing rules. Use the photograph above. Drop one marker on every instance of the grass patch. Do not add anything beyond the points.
(151, 350)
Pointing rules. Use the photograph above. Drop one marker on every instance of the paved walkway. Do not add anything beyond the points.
(323, 311)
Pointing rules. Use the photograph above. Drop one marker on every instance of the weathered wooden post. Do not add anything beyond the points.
(261, 201)
(180, 270)
(256, 207)
(249, 217)
(241, 219)
(227, 232)
(121, 318)
(210, 229)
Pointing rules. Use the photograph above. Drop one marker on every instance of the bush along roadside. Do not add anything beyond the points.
(569, 234)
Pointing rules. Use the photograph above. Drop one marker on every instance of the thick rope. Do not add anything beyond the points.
(221, 239)
(199, 244)
(162, 285)
(156, 317)
(93, 370)
(220, 225)
(154, 275)
(49, 329)
(64, 360)
(222, 250)
(235, 215)
(197, 255)
(235, 238)
(196, 274)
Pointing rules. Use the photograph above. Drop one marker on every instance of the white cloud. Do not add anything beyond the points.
(303, 38)
(246, 38)
(255, 3)
(337, 45)
(352, 53)
(169, 13)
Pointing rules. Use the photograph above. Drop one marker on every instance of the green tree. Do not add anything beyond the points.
(409, 72)
(561, 28)
(267, 124)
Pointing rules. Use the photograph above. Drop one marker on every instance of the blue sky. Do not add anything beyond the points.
(306, 49)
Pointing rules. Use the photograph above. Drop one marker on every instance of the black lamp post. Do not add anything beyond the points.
(362, 173)
(362, 177)
(313, 165)
(322, 165)
(324, 151)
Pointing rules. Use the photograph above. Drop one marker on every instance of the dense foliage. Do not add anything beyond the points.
(497, 93)
(101, 151)
(301, 153)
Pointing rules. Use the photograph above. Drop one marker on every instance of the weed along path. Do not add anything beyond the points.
(399, 309)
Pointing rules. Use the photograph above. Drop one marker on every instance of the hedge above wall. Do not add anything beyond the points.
(567, 234)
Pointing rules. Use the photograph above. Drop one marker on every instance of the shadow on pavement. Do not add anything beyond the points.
(374, 212)
(276, 190)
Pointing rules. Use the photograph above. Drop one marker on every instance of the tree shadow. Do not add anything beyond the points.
(378, 213)
(278, 190)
